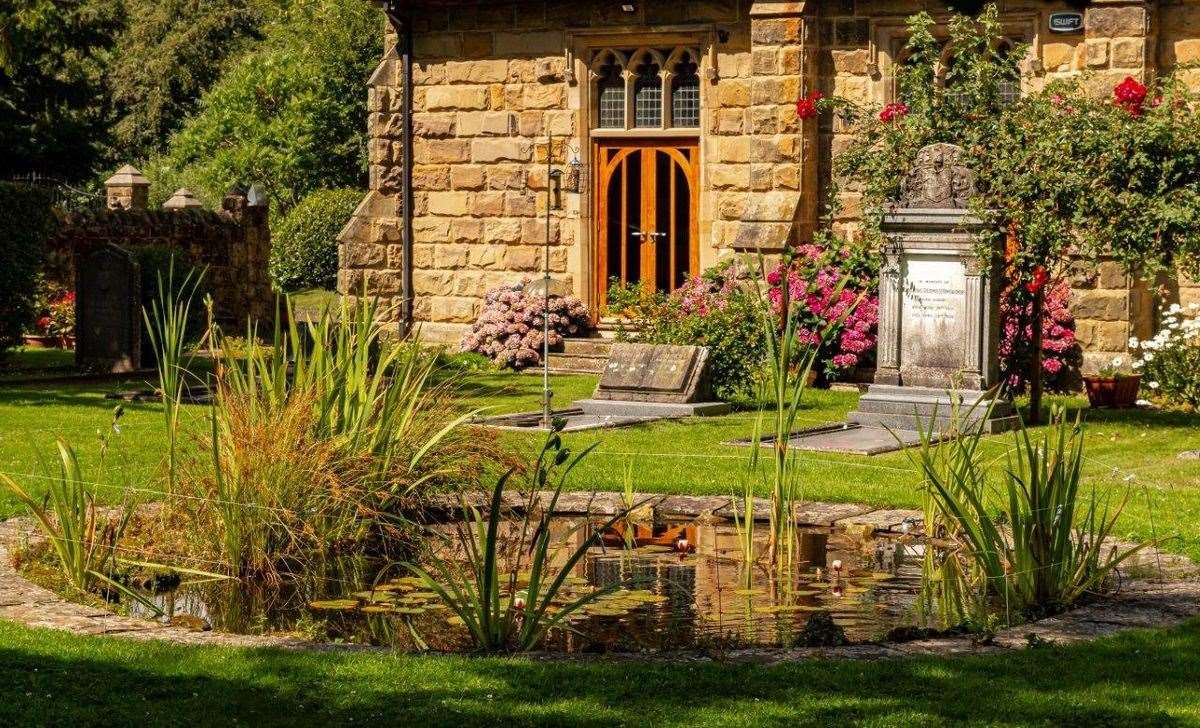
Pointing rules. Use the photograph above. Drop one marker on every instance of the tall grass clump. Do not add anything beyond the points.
(791, 354)
(166, 327)
(322, 441)
(1032, 544)
(509, 605)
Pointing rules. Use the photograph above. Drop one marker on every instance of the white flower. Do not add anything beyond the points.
(1133, 342)
(1153, 385)
(1137, 364)
(1117, 361)
(1175, 308)
(1147, 357)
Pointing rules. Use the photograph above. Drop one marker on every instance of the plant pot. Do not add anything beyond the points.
(1117, 392)
(37, 341)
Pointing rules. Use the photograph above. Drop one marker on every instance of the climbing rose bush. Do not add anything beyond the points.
(1060, 351)
(509, 330)
(813, 281)
(1168, 362)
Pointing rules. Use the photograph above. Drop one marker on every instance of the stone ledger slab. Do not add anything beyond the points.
(662, 373)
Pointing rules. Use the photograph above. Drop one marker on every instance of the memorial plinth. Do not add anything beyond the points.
(939, 320)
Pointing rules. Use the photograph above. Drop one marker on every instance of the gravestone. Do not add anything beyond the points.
(108, 319)
(939, 319)
(654, 380)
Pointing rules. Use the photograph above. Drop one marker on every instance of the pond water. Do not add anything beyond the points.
(682, 586)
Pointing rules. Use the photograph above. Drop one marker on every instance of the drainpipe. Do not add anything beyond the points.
(402, 25)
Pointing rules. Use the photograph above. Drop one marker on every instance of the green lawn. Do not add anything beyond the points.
(48, 678)
(1146, 678)
(1132, 452)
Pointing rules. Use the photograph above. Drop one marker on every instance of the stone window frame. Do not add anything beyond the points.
(888, 37)
(629, 64)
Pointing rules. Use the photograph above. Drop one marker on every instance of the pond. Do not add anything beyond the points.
(683, 585)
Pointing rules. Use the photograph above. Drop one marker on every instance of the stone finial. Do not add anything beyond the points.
(128, 189)
(183, 199)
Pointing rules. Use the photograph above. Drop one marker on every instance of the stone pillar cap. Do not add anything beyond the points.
(127, 175)
(182, 199)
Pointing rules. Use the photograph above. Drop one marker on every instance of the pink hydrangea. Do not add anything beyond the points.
(509, 329)
(1059, 346)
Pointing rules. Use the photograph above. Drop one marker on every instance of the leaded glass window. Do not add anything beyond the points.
(611, 87)
(647, 96)
(685, 94)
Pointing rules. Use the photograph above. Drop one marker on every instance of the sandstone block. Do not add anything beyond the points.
(732, 149)
(1057, 56)
(382, 282)
(853, 62)
(772, 206)
(489, 71)
(486, 123)
(543, 96)
(466, 177)
(424, 125)
(1114, 22)
(543, 43)
(489, 204)
(466, 231)
(449, 256)
(506, 177)
(430, 177)
(1187, 51)
(776, 31)
(729, 176)
(1096, 53)
(453, 309)
(533, 231)
(501, 230)
(427, 282)
(1099, 305)
(522, 258)
(520, 204)
(733, 93)
(422, 255)
(529, 124)
(430, 229)
(763, 120)
(485, 256)
(560, 123)
(501, 150)
(1128, 52)
(449, 203)
(730, 121)
(454, 98)
(361, 255)
(441, 151)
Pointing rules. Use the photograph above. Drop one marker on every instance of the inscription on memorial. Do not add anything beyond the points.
(655, 373)
(933, 310)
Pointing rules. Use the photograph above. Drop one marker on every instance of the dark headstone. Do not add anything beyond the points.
(656, 373)
(108, 310)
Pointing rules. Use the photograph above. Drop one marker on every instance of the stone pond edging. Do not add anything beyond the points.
(1143, 603)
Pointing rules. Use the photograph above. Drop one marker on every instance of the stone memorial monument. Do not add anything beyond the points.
(938, 306)
(108, 321)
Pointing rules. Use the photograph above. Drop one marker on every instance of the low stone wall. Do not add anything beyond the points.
(233, 245)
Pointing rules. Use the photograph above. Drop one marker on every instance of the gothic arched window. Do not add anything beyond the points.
(610, 87)
(647, 95)
(685, 93)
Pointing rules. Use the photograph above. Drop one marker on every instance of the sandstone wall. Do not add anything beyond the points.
(233, 244)
(493, 78)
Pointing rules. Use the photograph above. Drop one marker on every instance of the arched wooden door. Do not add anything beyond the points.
(647, 214)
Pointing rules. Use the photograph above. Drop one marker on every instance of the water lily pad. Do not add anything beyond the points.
(749, 592)
(377, 609)
(334, 605)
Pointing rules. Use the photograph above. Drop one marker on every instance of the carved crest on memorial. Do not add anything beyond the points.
(938, 179)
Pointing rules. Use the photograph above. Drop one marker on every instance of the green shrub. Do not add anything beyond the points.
(714, 310)
(26, 219)
(304, 242)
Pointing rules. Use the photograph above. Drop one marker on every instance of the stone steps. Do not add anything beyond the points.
(581, 356)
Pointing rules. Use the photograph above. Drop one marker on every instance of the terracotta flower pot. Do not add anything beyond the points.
(37, 341)
(1120, 391)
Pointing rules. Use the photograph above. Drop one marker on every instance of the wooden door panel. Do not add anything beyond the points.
(646, 214)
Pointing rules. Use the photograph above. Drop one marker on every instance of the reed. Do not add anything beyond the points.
(503, 612)
(166, 326)
(1035, 544)
(322, 442)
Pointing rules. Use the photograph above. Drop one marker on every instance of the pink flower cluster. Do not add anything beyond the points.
(1016, 333)
(701, 296)
(894, 111)
(812, 283)
(509, 330)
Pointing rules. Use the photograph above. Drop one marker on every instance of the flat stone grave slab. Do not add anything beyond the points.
(577, 420)
(662, 373)
(846, 437)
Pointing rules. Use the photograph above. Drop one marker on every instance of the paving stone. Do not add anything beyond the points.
(883, 519)
(826, 514)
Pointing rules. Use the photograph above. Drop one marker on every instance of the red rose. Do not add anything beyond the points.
(892, 112)
(43, 323)
(1130, 95)
(1040, 276)
(806, 107)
